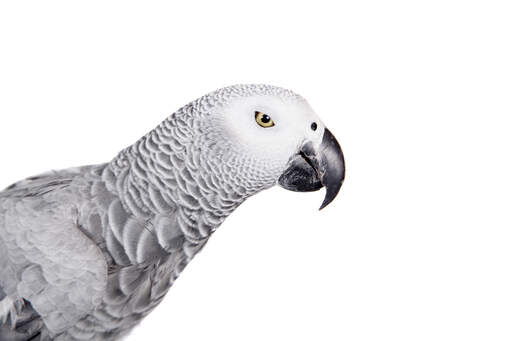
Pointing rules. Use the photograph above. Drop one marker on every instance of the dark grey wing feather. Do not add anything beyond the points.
(24, 323)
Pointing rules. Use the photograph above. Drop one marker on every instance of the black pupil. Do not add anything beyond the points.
(265, 118)
(313, 126)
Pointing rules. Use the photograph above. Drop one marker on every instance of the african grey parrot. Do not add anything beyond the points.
(86, 253)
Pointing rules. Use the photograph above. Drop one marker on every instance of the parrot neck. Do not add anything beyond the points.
(157, 184)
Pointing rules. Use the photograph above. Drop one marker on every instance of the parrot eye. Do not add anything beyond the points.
(263, 119)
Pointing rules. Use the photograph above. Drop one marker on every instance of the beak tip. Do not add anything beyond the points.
(331, 192)
(327, 200)
(324, 204)
(333, 167)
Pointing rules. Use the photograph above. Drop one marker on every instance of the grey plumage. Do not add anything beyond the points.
(86, 253)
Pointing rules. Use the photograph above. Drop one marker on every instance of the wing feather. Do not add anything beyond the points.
(44, 257)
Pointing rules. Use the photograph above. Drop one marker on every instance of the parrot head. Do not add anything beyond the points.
(256, 136)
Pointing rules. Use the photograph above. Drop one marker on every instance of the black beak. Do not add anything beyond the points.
(312, 169)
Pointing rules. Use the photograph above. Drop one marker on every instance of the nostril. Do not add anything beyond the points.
(313, 126)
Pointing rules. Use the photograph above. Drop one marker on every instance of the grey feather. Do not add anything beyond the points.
(87, 253)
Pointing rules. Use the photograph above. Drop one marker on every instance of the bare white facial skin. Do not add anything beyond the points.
(275, 145)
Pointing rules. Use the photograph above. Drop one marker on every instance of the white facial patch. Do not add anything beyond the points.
(276, 144)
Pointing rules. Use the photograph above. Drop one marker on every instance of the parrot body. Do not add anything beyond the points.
(87, 253)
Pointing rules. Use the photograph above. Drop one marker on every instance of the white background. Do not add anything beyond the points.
(418, 245)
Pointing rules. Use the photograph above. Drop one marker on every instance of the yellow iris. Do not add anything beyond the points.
(263, 120)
